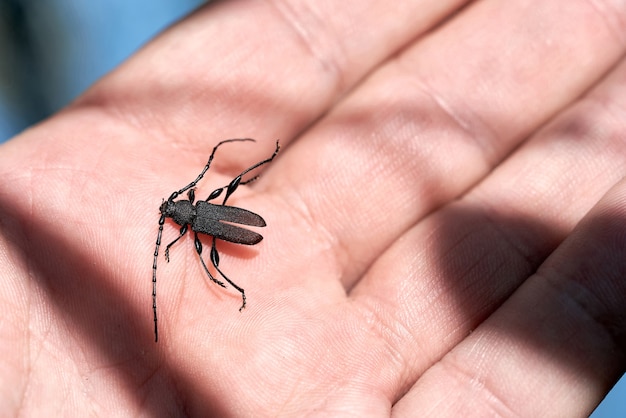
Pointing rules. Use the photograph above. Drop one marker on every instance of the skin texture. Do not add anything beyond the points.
(446, 221)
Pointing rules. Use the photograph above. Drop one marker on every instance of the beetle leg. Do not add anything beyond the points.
(198, 245)
(215, 260)
(183, 231)
(215, 194)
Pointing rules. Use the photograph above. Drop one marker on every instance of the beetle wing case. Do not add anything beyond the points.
(210, 219)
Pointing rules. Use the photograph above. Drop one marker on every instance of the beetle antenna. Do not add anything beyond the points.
(230, 189)
(208, 164)
(154, 269)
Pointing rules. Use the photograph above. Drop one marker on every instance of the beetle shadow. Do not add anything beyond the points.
(244, 252)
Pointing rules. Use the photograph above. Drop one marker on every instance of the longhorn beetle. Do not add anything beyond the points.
(209, 218)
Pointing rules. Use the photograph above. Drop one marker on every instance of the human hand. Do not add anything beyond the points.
(421, 254)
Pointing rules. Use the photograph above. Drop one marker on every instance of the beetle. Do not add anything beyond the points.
(210, 219)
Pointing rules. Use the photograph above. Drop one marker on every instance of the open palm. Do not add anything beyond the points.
(445, 222)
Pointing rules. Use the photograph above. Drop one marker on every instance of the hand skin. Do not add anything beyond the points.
(446, 219)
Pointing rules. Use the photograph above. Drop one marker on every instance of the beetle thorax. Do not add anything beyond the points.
(182, 212)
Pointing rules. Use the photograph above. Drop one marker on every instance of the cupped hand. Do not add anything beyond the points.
(445, 221)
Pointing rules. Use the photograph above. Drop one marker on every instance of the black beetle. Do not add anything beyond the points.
(208, 218)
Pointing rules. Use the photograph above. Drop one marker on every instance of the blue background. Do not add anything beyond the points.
(50, 51)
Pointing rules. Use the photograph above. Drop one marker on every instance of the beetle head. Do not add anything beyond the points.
(167, 208)
(181, 211)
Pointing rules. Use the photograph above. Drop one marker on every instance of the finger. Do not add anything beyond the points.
(453, 269)
(262, 69)
(560, 339)
(431, 123)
